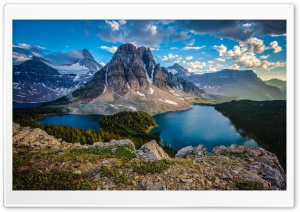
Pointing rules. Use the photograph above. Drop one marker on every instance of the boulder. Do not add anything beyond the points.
(192, 152)
(151, 151)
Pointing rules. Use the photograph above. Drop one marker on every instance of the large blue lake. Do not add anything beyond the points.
(201, 125)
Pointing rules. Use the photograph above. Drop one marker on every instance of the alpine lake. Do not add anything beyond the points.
(200, 125)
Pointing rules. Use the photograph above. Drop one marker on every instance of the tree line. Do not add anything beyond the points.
(264, 121)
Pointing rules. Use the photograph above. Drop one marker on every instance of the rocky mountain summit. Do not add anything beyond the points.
(117, 165)
(179, 71)
(132, 80)
(133, 69)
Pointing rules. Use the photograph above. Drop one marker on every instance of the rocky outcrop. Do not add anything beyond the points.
(259, 165)
(151, 151)
(25, 137)
(192, 152)
(150, 168)
(33, 138)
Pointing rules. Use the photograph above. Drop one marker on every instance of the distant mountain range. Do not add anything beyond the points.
(231, 83)
(279, 84)
(132, 80)
(37, 80)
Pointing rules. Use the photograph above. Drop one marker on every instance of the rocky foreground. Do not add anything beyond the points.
(117, 165)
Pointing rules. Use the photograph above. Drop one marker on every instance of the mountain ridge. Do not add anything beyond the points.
(234, 84)
(37, 80)
(132, 80)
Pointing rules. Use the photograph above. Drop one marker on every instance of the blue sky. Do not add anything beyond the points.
(201, 46)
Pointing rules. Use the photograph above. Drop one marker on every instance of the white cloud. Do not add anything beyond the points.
(245, 55)
(170, 56)
(273, 35)
(223, 51)
(213, 66)
(234, 66)
(19, 58)
(112, 49)
(256, 45)
(178, 60)
(122, 22)
(153, 29)
(221, 59)
(172, 48)
(193, 47)
(274, 45)
(264, 56)
(102, 63)
(24, 45)
(165, 58)
(246, 25)
(189, 58)
(196, 65)
(191, 42)
(113, 24)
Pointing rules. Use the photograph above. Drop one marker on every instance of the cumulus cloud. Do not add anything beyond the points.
(149, 33)
(111, 49)
(221, 59)
(193, 47)
(178, 60)
(122, 22)
(235, 29)
(223, 51)
(102, 63)
(213, 66)
(180, 36)
(247, 25)
(256, 45)
(196, 65)
(264, 56)
(234, 66)
(165, 58)
(23, 52)
(170, 56)
(275, 47)
(190, 42)
(245, 54)
(113, 24)
(189, 58)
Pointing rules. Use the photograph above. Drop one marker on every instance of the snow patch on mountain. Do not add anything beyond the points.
(168, 101)
(132, 108)
(151, 90)
(173, 71)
